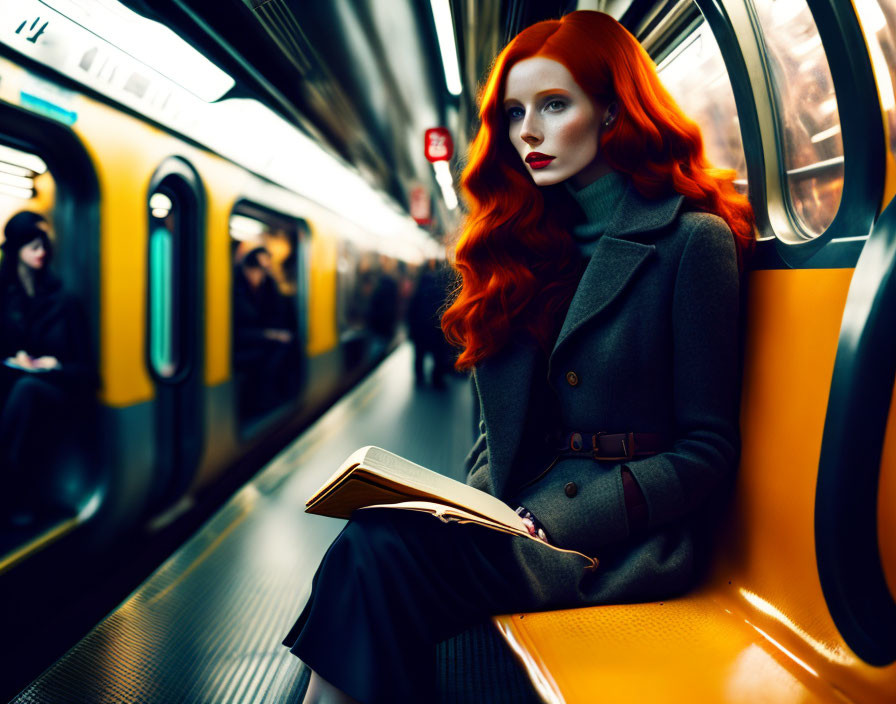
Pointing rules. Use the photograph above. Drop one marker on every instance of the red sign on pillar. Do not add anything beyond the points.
(420, 206)
(439, 145)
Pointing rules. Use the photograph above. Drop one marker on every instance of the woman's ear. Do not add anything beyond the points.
(610, 113)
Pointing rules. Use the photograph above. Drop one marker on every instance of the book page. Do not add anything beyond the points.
(449, 514)
(447, 511)
(457, 493)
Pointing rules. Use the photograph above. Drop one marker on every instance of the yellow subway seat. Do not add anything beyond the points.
(683, 651)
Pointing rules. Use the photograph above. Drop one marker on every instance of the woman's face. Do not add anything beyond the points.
(553, 124)
(258, 271)
(34, 254)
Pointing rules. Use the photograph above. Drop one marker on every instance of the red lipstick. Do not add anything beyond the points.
(537, 160)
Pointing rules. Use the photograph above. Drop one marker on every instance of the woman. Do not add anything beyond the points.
(599, 313)
(45, 353)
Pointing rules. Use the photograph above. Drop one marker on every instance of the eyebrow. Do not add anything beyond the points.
(541, 93)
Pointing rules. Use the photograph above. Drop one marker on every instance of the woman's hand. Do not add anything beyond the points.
(46, 362)
(22, 359)
(532, 525)
(284, 336)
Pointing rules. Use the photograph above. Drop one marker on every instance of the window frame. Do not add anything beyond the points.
(250, 207)
(177, 177)
(839, 246)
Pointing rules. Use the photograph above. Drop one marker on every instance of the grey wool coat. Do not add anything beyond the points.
(652, 336)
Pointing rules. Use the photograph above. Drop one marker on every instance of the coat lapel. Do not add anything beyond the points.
(504, 382)
(611, 267)
(617, 257)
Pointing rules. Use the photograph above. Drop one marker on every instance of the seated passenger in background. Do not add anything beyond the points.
(47, 369)
(266, 350)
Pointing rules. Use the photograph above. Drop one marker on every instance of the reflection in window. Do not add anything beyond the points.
(878, 18)
(809, 124)
(267, 348)
(695, 75)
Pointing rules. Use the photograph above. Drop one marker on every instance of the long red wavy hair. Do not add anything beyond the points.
(517, 262)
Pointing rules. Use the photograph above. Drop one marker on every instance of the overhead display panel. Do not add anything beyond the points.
(97, 49)
(107, 64)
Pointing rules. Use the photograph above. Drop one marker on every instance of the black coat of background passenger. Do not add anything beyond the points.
(50, 323)
(268, 371)
(38, 409)
(424, 325)
(382, 312)
(426, 306)
(652, 335)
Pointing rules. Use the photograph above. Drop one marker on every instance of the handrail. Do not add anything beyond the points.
(846, 533)
(816, 169)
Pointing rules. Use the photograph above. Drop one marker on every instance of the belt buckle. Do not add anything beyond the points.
(628, 446)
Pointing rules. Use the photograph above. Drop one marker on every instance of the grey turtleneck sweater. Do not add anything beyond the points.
(599, 201)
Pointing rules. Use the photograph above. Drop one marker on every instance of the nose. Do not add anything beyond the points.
(530, 130)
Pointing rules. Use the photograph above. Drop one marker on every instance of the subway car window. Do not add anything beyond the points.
(347, 263)
(809, 124)
(350, 303)
(878, 19)
(165, 224)
(47, 376)
(267, 347)
(695, 75)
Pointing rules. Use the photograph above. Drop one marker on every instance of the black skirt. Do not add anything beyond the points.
(392, 586)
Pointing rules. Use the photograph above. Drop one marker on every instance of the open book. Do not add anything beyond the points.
(375, 478)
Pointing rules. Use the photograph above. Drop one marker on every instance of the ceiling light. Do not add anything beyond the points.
(20, 181)
(149, 42)
(16, 192)
(23, 160)
(446, 182)
(441, 13)
(243, 228)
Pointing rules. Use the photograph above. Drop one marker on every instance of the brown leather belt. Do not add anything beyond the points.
(608, 446)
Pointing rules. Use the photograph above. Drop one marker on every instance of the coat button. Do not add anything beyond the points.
(571, 489)
(572, 378)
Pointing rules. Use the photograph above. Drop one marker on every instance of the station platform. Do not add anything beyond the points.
(207, 625)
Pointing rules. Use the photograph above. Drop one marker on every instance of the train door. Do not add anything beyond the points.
(51, 476)
(270, 285)
(175, 302)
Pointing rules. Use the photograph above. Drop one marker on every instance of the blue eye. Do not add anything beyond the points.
(515, 114)
(555, 105)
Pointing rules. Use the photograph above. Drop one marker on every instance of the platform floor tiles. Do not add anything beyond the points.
(207, 626)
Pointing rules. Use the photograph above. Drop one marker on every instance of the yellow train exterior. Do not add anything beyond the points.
(120, 153)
